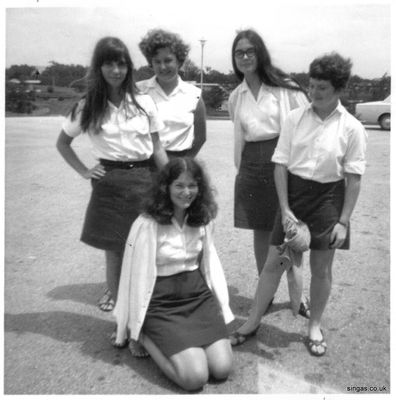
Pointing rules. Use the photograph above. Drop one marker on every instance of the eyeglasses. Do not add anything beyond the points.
(251, 52)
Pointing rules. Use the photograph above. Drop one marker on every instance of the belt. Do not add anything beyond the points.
(125, 164)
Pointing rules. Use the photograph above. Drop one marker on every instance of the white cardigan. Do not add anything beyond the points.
(139, 271)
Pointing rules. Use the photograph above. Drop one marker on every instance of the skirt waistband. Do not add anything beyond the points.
(260, 151)
(302, 182)
(125, 164)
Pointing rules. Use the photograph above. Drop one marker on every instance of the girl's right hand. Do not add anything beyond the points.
(96, 172)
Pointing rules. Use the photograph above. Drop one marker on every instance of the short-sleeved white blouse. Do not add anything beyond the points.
(176, 110)
(322, 150)
(125, 130)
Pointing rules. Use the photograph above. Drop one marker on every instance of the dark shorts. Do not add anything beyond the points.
(319, 205)
(183, 313)
(116, 201)
(255, 198)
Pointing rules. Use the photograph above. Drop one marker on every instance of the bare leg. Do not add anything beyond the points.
(219, 356)
(188, 368)
(113, 271)
(261, 241)
(321, 270)
(266, 288)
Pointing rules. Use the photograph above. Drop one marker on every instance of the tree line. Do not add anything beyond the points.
(72, 76)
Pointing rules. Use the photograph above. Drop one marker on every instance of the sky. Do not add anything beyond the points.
(40, 31)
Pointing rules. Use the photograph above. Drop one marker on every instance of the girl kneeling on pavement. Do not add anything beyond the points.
(173, 296)
(319, 160)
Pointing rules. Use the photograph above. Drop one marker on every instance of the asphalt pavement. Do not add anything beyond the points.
(56, 339)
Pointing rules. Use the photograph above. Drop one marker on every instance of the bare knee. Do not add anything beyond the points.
(272, 264)
(321, 273)
(194, 377)
(219, 356)
(321, 264)
(221, 368)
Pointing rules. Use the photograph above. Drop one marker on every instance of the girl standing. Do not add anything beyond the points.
(320, 159)
(258, 108)
(179, 103)
(122, 126)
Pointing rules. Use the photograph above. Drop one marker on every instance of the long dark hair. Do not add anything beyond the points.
(108, 49)
(159, 205)
(268, 73)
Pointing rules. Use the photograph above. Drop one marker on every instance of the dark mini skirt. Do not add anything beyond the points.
(116, 201)
(183, 313)
(255, 198)
(319, 205)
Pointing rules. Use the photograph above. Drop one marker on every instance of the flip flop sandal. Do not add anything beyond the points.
(113, 342)
(304, 309)
(106, 303)
(315, 345)
(237, 338)
(137, 350)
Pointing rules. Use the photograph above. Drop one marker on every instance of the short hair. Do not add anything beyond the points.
(331, 67)
(159, 204)
(156, 39)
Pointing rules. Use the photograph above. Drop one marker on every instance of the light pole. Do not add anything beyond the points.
(202, 48)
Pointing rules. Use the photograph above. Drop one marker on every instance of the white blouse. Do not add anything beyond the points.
(125, 131)
(137, 283)
(176, 110)
(178, 248)
(261, 119)
(322, 150)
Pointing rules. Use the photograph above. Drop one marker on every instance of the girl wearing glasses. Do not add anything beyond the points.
(258, 108)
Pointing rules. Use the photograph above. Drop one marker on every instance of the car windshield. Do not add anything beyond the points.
(388, 100)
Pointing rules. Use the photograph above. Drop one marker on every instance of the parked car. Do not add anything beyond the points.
(375, 112)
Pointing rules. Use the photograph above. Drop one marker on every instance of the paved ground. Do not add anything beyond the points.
(56, 340)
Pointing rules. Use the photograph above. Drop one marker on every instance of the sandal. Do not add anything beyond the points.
(317, 348)
(137, 350)
(106, 303)
(304, 309)
(237, 338)
(113, 342)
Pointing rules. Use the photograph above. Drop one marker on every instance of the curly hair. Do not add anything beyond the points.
(159, 204)
(331, 67)
(156, 39)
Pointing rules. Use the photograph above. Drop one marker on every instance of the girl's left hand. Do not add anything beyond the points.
(338, 236)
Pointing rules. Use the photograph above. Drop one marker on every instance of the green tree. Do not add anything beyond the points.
(190, 71)
(21, 72)
(143, 73)
(214, 97)
(18, 100)
(62, 75)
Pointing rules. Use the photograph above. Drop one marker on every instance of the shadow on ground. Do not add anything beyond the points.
(91, 333)
(86, 293)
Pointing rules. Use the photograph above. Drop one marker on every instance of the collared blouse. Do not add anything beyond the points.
(322, 150)
(261, 119)
(176, 110)
(139, 272)
(178, 248)
(125, 130)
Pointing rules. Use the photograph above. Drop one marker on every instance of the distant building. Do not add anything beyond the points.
(14, 81)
